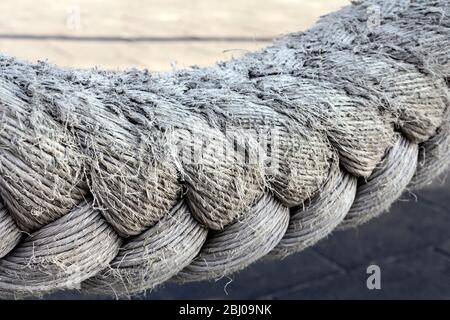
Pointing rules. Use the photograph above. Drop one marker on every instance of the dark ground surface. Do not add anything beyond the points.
(410, 244)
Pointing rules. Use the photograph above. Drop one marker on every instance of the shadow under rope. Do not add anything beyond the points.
(59, 37)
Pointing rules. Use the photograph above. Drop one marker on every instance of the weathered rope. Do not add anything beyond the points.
(121, 181)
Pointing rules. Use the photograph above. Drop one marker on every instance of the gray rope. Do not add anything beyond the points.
(118, 182)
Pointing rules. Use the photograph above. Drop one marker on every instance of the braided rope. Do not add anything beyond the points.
(120, 182)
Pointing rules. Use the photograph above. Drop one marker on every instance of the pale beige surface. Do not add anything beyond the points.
(137, 18)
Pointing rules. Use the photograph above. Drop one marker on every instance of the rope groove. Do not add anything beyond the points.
(114, 183)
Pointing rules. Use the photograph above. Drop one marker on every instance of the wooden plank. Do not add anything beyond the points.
(139, 18)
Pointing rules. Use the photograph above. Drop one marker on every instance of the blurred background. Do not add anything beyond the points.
(410, 244)
(153, 34)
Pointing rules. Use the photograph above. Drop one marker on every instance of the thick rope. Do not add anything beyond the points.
(122, 181)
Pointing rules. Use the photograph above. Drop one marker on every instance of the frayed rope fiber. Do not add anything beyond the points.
(115, 182)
